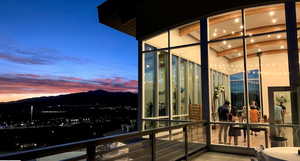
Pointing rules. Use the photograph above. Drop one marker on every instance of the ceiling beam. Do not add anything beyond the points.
(251, 46)
(268, 52)
(219, 19)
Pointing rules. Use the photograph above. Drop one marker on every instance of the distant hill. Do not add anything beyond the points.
(97, 98)
(100, 97)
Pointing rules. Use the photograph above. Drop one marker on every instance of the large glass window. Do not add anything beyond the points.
(163, 67)
(149, 84)
(248, 68)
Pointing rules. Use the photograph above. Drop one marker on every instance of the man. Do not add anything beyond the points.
(223, 112)
(283, 111)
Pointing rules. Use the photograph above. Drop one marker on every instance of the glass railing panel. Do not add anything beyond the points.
(131, 149)
(284, 135)
(170, 145)
(78, 155)
(229, 134)
(196, 137)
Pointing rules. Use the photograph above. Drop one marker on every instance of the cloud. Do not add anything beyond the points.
(37, 56)
(38, 84)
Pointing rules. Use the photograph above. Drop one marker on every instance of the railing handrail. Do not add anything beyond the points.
(67, 147)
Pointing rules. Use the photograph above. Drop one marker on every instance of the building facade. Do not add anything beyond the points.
(194, 57)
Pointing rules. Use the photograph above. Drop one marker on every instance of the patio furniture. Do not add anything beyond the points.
(281, 154)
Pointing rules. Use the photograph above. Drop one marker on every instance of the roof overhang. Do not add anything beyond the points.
(143, 18)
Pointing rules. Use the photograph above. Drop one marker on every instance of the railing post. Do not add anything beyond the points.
(153, 146)
(186, 150)
(91, 152)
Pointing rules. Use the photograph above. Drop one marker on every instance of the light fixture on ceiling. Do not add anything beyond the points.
(282, 47)
(278, 36)
(269, 36)
(215, 34)
(229, 46)
(224, 31)
(239, 54)
(232, 32)
(237, 20)
(274, 20)
(241, 33)
(216, 30)
(271, 13)
(259, 50)
(252, 40)
(224, 42)
(241, 27)
(250, 34)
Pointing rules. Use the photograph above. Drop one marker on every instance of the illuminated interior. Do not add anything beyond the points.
(248, 58)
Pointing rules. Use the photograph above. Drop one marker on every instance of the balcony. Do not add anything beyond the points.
(169, 140)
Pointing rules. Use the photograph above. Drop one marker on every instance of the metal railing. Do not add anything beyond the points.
(154, 142)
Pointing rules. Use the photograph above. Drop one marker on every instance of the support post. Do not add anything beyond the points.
(293, 59)
(205, 75)
(91, 152)
(186, 143)
(153, 147)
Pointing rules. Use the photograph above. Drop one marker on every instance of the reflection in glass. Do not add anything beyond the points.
(149, 84)
(175, 85)
(183, 86)
(162, 83)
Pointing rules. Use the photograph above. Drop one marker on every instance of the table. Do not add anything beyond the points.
(281, 154)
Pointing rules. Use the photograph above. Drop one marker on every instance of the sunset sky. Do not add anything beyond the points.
(52, 47)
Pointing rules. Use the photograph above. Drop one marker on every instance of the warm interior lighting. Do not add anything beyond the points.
(269, 36)
(274, 20)
(215, 34)
(237, 20)
(229, 46)
(250, 34)
(232, 32)
(282, 47)
(278, 36)
(224, 31)
(259, 50)
(224, 42)
(241, 27)
(252, 40)
(239, 54)
(271, 13)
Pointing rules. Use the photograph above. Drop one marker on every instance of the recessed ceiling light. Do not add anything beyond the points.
(259, 50)
(232, 32)
(252, 40)
(274, 20)
(224, 31)
(241, 27)
(250, 34)
(229, 46)
(215, 34)
(282, 47)
(224, 42)
(239, 54)
(216, 30)
(271, 13)
(241, 33)
(269, 36)
(278, 36)
(237, 20)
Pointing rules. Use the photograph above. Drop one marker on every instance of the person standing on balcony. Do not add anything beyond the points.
(223, 112)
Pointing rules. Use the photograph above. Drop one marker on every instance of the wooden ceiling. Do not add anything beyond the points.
(231, 16)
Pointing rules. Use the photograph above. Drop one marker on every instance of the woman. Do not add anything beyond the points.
(233, 131)
(254, 117)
